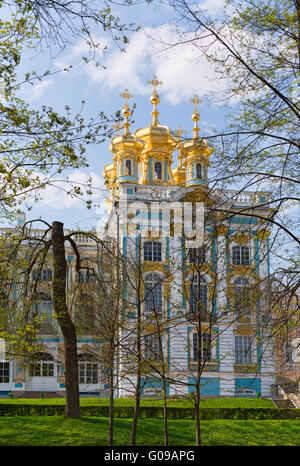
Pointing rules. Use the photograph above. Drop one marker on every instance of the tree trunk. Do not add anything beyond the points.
(165, 410)
(65, 321)
(111, 399)
(139, 354)
(136, 410)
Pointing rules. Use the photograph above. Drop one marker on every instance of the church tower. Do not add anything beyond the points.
(159, 144)
(195, 154)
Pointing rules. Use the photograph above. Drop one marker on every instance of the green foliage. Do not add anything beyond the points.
(37, 144)
(146, 412)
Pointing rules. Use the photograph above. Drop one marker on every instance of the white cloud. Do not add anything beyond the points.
(38, 90)
(79, 50)
(173, 55)
(211, 6)
(183, 69)
(57, 195)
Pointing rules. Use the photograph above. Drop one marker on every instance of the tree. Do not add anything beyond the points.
(37, 145)
(38, 248)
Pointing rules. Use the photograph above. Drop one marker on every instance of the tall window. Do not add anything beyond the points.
(197, 255)
(240, 255)
(42, 366)
(4, 372)
(206, 353)
(85, 313)
(152, 251)
(242, 298)
(158, 171)
(88, 369)
(153, 294)
(44, 312)
(151, 347)
(198, 170)
(243, 349)
(198, 296)
(128, 167)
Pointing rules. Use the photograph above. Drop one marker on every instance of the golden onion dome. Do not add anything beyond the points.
(196, 145)
(125, 142)
(109, 172)
(156, 135)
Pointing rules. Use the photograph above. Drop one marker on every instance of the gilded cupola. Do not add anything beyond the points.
(179, 173)
(195, 153)
(126, 149)
(159, 144)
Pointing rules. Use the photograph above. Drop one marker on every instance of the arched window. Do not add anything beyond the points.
(242, 298)
(240, 255)
(153, 294)
(88, 369)
(198, 170)
(157, 171)
(198, 296)
(42, 365)
(128, 167)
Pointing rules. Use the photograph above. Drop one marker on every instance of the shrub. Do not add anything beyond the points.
(155, 412)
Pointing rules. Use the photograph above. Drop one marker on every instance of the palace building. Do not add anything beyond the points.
(193, 276)
(215, 291)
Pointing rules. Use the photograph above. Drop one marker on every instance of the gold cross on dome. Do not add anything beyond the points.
(126, 96)
(180, 131)
(117, 127)
(196, 101)
(154, 83)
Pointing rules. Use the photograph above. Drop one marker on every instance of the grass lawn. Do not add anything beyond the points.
(205, 402)
(88, 431)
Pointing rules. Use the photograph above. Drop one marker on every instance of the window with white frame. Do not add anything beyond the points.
(242, 298)
(243, 349)
(151, 347)
(152, 251)
(241, 255)
(153, 295)
(4, 372)
(206, 347)
(88, 369)
(42, 366)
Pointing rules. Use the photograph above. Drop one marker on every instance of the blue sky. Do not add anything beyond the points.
(183, 70)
